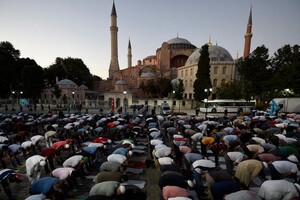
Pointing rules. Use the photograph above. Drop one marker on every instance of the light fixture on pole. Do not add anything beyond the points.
(207, 91)
(125, 102)
(173, 103)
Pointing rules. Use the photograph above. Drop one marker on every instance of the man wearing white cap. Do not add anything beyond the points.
(34, 165)
(284, 168)
(107, 188)
(279, 189)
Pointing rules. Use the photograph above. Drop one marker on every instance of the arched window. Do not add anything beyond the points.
(223, 81)
(224, 70)
(215, 83)
(215, 70)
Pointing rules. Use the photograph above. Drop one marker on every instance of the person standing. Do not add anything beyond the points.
(225, 112)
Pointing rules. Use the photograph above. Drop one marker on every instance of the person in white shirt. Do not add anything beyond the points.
(34, 166)
(117, 158)
(37, 140)
(67, 174)
(255, 149)
(278, 189)
(29, 148)
(76, 162)
(204, 164)
(163, 152)
(233, 158)
(284, 168)
(242, 194)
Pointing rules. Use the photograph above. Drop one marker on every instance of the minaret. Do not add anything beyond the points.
(114, 63)
(248, 36)
(129, 55)
(209, 41)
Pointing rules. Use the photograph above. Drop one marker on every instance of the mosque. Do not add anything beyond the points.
(176, 59)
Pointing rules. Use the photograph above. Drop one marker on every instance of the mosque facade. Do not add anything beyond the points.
(176, 59)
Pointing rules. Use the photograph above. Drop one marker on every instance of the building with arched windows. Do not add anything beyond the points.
(222, 69)
(175, 59)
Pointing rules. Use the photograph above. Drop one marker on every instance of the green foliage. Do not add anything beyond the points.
(230, 90)
(254, 72)
(56, 91)
(202, 81)
(179, 90)
(8, 48)
(156, 88)
(8, 58)
(285, 70)
(69, 68)
(32, 80)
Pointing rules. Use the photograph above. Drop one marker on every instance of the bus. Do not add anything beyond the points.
(232, 106)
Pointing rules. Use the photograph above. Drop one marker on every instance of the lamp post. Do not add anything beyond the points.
(207, 91)
(173, 104)
(73, 98)
(13, 99)
(125, 102)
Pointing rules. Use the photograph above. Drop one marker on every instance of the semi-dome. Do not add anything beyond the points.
(66, 83)
(216, 54)
(148, 75)
(180, 43)
(121, 82)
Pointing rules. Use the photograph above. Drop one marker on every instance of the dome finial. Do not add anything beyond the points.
(209, 40)
(216, 43)
(177, 34)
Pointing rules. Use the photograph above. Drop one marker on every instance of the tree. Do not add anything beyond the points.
(57, 92)
(179, 90)
(286, 72)
(203, 75)
(255, 72)
(164, 87)
(9, 49)
(8, 58)
(230, 90)
(69, 68)
(32, 81)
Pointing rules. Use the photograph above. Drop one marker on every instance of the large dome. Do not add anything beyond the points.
(180, 43)
(216, 54)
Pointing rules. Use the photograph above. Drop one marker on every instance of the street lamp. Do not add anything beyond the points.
(73, 96)
(125, 102)
(207, 91)
(13, 99)
(205, 102)
(173, 104)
